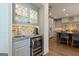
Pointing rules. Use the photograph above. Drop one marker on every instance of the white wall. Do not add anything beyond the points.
(46, 29)
(43, 25)
(4, 29)
(10, 29)
(41, 20)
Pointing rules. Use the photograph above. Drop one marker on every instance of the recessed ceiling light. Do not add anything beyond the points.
(64, 9)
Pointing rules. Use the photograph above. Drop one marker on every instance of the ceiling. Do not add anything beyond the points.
(59, 10)
(38, 4)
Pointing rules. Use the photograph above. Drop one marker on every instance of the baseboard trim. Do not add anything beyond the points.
(3, 54)
(45, 52)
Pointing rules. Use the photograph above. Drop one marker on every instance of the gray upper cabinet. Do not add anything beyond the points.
(70, 20)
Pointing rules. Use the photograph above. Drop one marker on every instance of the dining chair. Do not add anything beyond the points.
(75, 40)
(64, 38)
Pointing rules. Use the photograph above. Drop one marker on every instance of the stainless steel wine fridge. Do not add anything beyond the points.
(36, 46)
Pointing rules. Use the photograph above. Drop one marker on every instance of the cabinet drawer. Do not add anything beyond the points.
(22, 51)
(21, 43)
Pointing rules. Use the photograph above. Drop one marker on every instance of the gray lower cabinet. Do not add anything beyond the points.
(22, 51)
(21, 48)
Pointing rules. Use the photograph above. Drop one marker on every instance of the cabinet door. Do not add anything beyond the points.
(22, 51)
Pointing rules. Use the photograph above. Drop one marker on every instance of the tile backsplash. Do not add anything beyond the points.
(72, 27)
(22, 30)
(68, 27)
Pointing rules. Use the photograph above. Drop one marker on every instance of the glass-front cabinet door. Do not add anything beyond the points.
(21, 14)
(25, 15)
(33, 16)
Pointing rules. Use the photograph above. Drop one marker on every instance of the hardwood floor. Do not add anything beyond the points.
(61, 50)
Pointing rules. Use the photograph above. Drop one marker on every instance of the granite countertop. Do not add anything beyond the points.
(22, 37)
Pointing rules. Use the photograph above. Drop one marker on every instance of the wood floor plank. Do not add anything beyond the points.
(61, 50)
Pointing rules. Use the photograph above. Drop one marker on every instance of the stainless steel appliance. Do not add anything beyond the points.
(36, 46)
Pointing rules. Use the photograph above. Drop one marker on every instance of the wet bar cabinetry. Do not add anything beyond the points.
(25, 21)
(28, 46)
(21, 48)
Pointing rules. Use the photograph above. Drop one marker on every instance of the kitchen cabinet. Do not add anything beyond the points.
(58, 23)
(21, 48)
(65, 20)
(70, 19)
(25, 14)
(22, 51)
(76, 19)
(27, 46)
